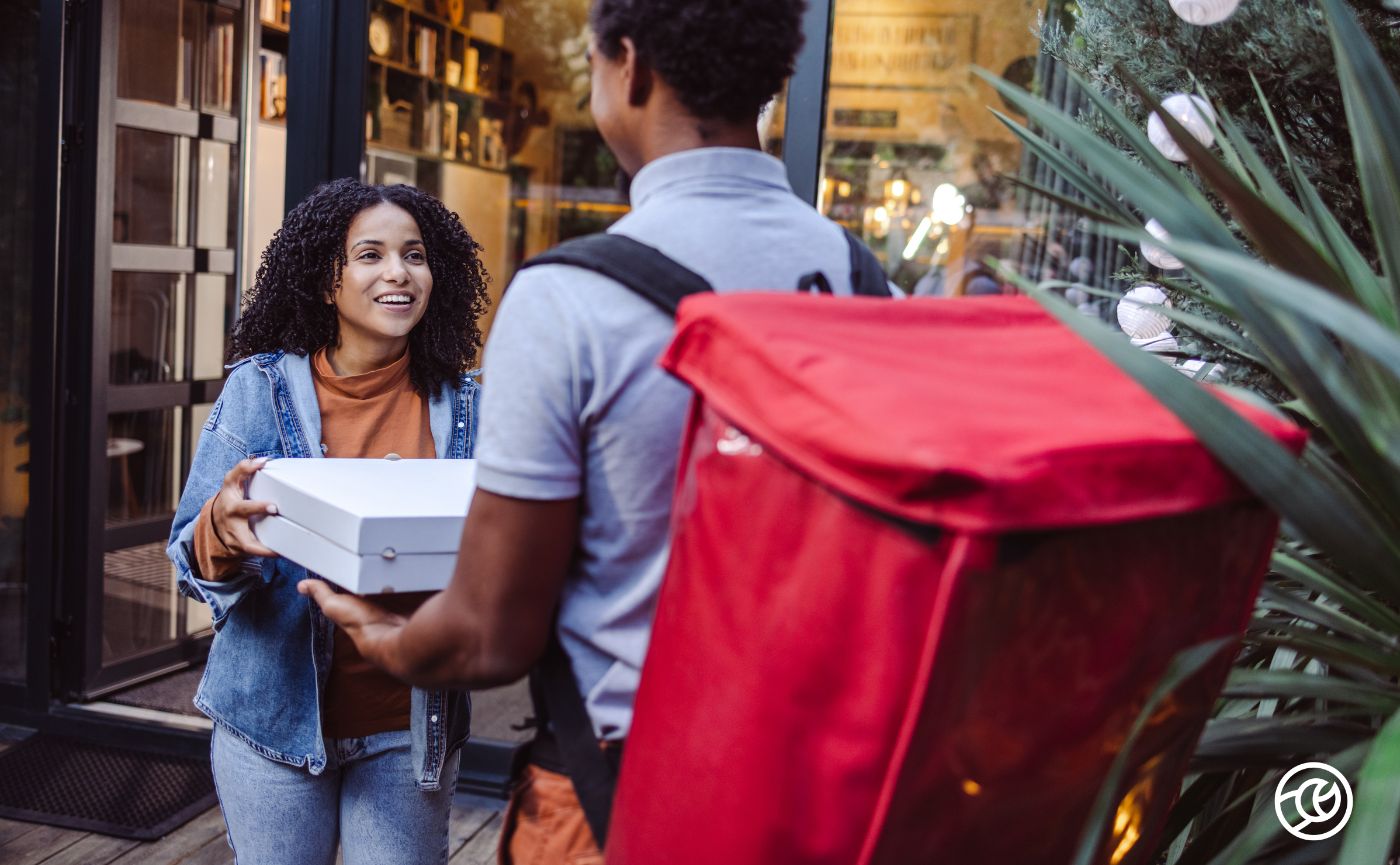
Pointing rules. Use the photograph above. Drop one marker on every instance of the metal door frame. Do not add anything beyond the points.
(92, 257)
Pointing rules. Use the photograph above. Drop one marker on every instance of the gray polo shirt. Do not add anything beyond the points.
(574, 404)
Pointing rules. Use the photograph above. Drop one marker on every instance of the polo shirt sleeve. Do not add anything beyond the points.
(534, 376)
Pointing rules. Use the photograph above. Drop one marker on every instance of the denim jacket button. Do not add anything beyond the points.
(461, 424)
(433, 719)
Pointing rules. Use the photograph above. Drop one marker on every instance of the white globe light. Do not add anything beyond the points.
(1076, 295)
(1204, 12)
(1156, 255)
(1157, 344)
(1191, 112)
(1137, 313)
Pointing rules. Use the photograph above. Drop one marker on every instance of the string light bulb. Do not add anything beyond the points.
(1156, 255)
(1204, 13)
(1192, 112)
(1138, 314)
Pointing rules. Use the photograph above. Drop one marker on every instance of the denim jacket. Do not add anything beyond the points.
(272, 646)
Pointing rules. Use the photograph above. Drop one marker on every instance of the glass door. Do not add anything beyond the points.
(164, 296)
(913, 162)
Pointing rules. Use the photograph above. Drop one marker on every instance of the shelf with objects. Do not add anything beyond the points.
(484, 103)
(437, 90)
(269, 133)
(274, 40)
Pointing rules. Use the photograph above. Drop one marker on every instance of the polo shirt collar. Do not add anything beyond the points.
(708, 164)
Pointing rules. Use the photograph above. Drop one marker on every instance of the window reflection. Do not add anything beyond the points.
(489, 112)
(19, 78)
(913, 160)
(150, 180)
(139, 602)
(148, 316)
(143, 464)
(155, 58)
(219, 92)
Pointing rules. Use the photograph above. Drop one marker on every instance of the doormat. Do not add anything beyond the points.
(102, 788)
(173, 693)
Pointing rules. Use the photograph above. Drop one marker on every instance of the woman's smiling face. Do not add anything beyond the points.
(385, 285)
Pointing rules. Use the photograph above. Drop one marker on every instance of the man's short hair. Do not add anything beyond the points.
(724, 58)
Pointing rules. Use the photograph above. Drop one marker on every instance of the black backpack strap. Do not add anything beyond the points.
(559, 707)
(643, 269)
(867, 276)
(558, 702)
(814, 283)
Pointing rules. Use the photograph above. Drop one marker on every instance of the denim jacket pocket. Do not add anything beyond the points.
(439, 721)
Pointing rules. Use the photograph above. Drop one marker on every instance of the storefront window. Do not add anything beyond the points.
(913, 160)
(148, 317)
(19, 88)
(150, 185)
(267, 186)
(485, 105)
(168, 280)
(155, 62)
(487, 108)
(140, 605)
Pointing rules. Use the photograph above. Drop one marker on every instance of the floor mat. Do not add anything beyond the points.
(171, 693)
(101, 788)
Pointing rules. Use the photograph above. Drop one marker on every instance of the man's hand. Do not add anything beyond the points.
(373, 629)
(492, 622)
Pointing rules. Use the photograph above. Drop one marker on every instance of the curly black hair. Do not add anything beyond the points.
(724, 58)
(286, 310)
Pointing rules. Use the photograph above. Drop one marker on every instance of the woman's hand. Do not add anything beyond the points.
(231, 511)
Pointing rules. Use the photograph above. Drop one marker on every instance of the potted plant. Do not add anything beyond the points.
(1319, 310)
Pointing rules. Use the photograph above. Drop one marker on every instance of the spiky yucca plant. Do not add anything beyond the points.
(1317, 675)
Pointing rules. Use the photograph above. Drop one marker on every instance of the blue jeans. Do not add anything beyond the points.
(366, 800)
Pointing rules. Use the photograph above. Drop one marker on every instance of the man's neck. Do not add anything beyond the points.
(681, 132)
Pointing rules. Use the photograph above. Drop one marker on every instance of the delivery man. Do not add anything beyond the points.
(567, 533)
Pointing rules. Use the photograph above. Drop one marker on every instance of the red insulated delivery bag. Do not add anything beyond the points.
(929, 559)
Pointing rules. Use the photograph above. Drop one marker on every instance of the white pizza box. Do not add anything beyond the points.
(363, 575)
(367, 525)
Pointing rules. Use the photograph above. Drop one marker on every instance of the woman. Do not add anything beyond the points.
(354, 342)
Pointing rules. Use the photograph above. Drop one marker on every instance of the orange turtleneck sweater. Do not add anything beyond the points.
(362, 416)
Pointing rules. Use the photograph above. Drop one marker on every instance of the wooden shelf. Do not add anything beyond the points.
(428, 16)
(371, 144)
(381, 147)
(474, 94)
(429, 92)
(399, 67)
(274, 27)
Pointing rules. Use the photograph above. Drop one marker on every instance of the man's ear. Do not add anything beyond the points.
(637, 73)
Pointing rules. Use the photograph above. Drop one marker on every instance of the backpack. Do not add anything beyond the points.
(664, 282)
